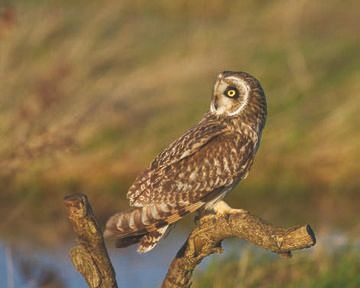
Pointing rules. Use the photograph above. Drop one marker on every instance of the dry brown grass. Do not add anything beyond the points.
(90, 93)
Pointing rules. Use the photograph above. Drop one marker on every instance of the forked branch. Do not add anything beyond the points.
(91, 259)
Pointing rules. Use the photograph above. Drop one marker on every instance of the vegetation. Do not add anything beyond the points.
(90, 91)
(254, 269)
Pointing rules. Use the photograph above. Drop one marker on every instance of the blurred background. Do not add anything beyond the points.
(91, 91)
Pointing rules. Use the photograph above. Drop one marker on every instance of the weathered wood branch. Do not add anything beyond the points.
(90, 257)
(206, 239)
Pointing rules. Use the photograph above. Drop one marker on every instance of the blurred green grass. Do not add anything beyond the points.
(324, 269)
(91, 92)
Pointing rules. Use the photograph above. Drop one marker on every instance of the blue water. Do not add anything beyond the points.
(132, 269)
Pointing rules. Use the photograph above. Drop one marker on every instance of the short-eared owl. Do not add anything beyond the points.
(198, 169)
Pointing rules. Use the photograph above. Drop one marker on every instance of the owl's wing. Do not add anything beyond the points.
(189, 143)
(164, 195)
(198, 175)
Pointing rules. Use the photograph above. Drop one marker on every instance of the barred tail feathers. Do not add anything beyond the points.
(138, 221)
(146, 224)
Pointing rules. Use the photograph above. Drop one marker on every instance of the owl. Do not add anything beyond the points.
(199, 169)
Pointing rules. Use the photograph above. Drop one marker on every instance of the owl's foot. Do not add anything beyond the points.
(201, 214)
(221, 208)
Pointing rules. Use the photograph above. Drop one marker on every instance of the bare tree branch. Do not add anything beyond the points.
(90, 257)
(206, 239)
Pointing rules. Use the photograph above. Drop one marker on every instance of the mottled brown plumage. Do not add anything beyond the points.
(199, 168)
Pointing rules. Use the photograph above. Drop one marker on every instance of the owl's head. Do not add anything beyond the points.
(239, 94)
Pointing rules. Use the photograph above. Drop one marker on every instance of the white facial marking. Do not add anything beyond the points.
(246, 96)
(225, 103)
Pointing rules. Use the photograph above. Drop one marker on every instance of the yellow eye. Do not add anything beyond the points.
(231, 93)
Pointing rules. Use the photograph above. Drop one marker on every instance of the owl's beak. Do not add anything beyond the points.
(216, 104)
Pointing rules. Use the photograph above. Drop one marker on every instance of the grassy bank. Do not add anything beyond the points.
(323, 268)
